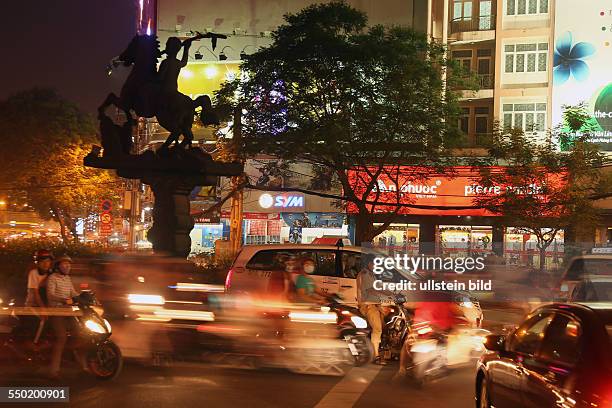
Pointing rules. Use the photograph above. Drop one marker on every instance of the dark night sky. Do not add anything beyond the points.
(64, 44)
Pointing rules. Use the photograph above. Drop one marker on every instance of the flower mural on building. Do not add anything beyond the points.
(569, 59)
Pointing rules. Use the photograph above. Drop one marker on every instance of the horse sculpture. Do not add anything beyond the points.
(141, 92)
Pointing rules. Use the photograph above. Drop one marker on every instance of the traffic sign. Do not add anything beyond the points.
(106, 206)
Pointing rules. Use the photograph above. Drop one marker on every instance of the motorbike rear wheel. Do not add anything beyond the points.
(365, 349)
(106, 361)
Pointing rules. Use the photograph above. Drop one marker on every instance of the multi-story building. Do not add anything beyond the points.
(508, 44)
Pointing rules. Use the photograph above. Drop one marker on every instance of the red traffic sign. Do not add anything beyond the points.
(106, 206)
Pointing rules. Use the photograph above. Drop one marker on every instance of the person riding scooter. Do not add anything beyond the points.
(60, 292)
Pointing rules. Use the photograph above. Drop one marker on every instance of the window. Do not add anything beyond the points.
(526, 57)
(462, 9)
(463, 58)
(326, 263)
(529, 335)
(482, 120)
(524, 7)
(351, 264)
(562, 342)
(531, 117)
(279, 260)
(464, 120)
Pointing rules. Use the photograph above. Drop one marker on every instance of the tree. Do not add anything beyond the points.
(45, 140)
(356, 103)
(539, 189)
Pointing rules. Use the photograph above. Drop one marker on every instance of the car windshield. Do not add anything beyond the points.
(590, 266)
(594, 292)
(598, 266)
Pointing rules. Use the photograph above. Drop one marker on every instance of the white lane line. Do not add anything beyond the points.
(349, 389)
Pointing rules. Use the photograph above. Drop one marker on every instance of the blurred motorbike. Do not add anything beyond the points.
(354, 329)
(89, 336)
(433, 354)
(304, 341)
(396, 330)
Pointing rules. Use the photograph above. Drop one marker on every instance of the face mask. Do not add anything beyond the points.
(309, 268)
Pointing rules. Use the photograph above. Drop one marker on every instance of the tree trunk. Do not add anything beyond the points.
(542, 259)
(363, 228)
(60, 219)
(71, 226)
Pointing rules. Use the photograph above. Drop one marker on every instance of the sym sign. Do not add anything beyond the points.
(581, 66)
(282, 202)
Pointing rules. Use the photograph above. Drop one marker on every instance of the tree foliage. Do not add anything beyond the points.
(45, 140)
(342, 96)
(541, 189)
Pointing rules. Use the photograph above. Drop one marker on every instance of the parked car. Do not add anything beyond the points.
(581, 266)
(336, 272)
(559, 356)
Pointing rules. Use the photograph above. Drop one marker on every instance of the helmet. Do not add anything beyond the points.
(43, 254)
(63, 258)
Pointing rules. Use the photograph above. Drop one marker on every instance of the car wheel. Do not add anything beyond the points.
(483, 400)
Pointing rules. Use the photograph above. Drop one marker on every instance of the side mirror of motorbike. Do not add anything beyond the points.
(495, 342)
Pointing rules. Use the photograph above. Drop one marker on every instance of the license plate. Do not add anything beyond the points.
(353, 349)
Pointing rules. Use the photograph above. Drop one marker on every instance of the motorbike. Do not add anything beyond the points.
(396, 330)
(88, 336)
(434, 354)
(354, 329)
(303, 341)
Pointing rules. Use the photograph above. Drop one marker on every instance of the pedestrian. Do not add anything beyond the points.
(369, 304)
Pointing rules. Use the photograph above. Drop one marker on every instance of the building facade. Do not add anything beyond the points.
(509, 44)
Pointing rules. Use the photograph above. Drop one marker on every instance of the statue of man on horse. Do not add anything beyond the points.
(150, 92)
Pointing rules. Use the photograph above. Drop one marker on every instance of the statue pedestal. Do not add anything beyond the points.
(172, 220)
(172, 177)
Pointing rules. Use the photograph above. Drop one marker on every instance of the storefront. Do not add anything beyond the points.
(287, 217)
(454, 226)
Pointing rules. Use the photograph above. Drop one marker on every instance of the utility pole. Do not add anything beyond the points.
(237, 197)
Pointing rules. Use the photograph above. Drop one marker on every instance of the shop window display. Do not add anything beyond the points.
(455, 240)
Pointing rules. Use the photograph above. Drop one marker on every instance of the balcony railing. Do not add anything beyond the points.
(476, 23)
(477, 140)
(486, 81)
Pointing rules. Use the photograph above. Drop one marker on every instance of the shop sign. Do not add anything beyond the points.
(285, 202)
(458, 189)
(260, 216)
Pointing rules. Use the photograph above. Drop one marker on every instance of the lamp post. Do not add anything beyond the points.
(238, 196)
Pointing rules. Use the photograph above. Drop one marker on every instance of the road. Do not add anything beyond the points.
(189, 385)
(185, 385)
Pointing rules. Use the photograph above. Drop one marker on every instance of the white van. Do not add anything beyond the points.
(336, 271)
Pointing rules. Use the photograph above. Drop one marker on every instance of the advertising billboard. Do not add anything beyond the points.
(581, 66)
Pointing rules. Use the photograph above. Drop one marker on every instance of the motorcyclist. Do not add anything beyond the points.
(60, 292)
(37, 279)
(440, 313)
(305, 286)
(36, 292)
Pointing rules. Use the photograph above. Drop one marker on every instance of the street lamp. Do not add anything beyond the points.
(198, 55)
(222, 56)
(243, 53)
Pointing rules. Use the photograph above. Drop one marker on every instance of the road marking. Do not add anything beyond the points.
(349, 389)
